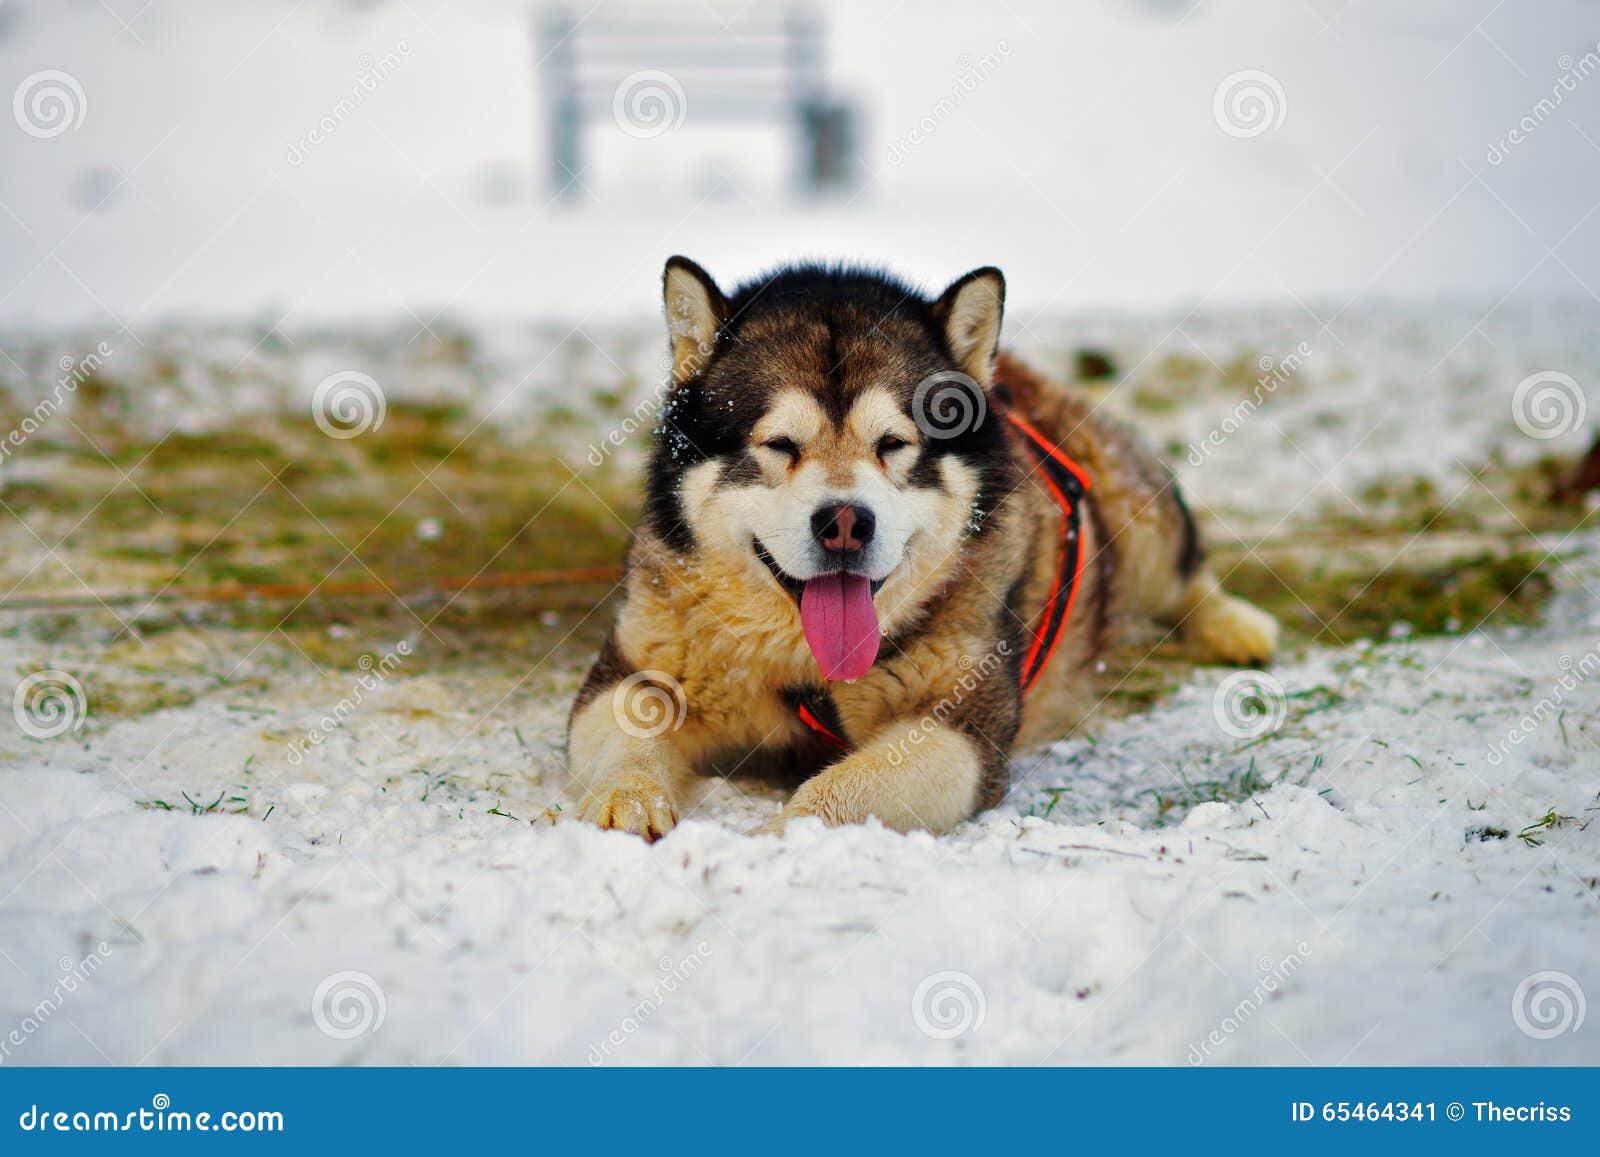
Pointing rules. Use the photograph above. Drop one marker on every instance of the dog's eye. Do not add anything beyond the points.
(889, 443)
(783, 446)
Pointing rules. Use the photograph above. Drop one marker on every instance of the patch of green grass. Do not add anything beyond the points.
(1322, 601)
(1533, 834)
(1179, 380)
(225, 804)
(1054, 794)
(1237, 786)
(133, 695)
(278, 503)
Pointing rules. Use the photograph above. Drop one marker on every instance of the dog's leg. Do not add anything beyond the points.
(934, 783)
(626, 778)
(1221, 628)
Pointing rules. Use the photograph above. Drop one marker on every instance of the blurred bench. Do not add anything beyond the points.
(653, 70)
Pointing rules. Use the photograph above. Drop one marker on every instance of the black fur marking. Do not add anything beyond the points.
(1105, 563)
(999, 474)
(1191, 555)
(791, 585)
(1012, 619)
(742, 471)
(991, 745)
(686, 437)
(806, 283)
(925, 474)
(609, 669)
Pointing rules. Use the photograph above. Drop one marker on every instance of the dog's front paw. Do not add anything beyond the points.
(637, 804)
(1229, 630)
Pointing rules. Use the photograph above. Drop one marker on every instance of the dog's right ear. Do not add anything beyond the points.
(696, 309)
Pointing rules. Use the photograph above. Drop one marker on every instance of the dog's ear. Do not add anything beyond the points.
(969, 312)
(696, 309)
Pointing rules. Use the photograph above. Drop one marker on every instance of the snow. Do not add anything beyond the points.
(1090, 938)
(1366, 899)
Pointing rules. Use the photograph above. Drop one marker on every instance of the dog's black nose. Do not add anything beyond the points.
(843, 529)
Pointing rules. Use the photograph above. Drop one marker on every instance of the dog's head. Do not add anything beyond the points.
(830, 425)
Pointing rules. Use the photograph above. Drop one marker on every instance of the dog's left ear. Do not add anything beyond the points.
(969, 312)
(696, 309)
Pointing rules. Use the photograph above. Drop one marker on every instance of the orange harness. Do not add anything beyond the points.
(1067, 483)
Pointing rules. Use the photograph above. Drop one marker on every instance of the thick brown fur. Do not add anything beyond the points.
(707, 656)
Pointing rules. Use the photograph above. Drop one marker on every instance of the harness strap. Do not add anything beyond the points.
(808, 717)
(1067, 483)
(816, 710)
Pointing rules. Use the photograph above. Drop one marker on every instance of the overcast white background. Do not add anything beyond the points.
(1089, 164)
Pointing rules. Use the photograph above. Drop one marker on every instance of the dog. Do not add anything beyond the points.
(876, 554)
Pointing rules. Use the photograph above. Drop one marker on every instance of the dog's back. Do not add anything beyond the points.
(1142, 556)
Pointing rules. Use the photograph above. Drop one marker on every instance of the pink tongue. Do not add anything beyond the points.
(840, 624)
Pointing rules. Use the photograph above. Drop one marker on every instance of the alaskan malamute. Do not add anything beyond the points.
(875, 554)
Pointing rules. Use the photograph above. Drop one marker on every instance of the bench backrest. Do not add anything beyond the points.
(759, 66)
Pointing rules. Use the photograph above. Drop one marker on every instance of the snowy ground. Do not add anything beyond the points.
(1372, 873)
